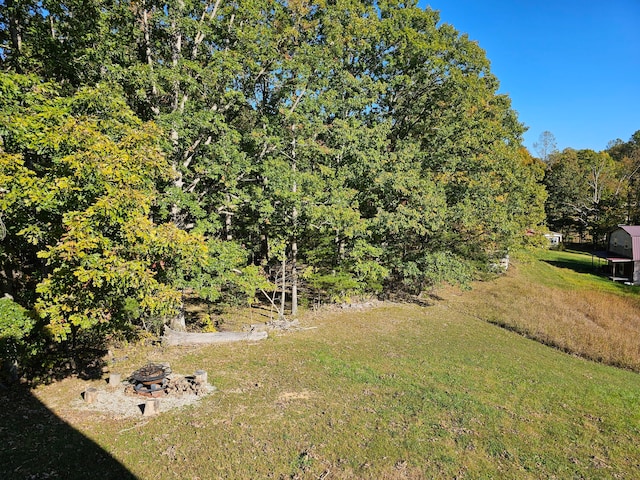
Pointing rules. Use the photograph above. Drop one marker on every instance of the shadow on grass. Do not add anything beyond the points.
(578, 261)
(37, 444)
(596, 267)
(576, 266)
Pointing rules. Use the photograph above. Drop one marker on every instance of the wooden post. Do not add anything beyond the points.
(90, 395)
(151, 407)
(200, 377)
(114, 380)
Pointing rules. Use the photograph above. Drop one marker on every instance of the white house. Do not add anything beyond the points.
(555, 239)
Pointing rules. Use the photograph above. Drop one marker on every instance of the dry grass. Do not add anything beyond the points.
(601, 325)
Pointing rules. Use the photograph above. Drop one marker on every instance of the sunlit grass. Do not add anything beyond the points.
(559, 300)
(394, 392)
(570, 270)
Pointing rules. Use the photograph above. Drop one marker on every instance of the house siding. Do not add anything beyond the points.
(636, 249)
(620, 243)
(625, 243)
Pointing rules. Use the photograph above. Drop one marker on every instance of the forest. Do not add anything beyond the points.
(267, 150)
(589, 193)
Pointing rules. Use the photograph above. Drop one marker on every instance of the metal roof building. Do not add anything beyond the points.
(623, 254)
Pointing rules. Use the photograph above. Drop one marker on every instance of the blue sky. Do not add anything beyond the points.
(570, 67)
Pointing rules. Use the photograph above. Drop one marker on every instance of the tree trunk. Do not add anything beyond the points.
(151, 407)
(294, 241)
(177, 106)
(178, 322)
(264, 248)
(114, 380)
(90, 395)
(16, 34)
(284, 286)
(173, 338)
(146, 29)
(294, 277)
(227, 220)
(176, 54)
(340, 246)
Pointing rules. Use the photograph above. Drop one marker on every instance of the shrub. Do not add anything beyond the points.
(16, 325)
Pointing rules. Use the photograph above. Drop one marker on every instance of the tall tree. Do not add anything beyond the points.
(582, 185)
(546, 145)
(359, 139)
(627, 155)
(79, 179)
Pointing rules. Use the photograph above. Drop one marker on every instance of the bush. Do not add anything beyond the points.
(16, 324)
(335, 287)
(437, 268)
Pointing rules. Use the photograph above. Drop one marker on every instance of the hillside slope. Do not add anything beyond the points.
(397, 391)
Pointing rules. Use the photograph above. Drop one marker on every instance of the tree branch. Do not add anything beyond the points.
(200, 35)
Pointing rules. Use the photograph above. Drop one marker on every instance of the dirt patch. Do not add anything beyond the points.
(288, 396)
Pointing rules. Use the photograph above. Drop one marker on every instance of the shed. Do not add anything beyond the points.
(623, 255)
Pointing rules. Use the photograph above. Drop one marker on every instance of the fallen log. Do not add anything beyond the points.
(175, 338)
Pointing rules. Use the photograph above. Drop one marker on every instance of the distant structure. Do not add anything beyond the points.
(555, 239)
(623, 254)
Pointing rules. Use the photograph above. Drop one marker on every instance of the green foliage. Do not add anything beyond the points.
(584, 190)
(16, 324)
(627, 158)
(336, 286)
(187, 142)
(436, 268)
(208, 325)
(92, 175)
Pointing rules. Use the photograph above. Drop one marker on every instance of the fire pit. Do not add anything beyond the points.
(156, 380)
(151, 380)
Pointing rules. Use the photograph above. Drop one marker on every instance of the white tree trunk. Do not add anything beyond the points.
(284, 286)
(227, 219)
(294, 242)
(294, 277)
(178, 322)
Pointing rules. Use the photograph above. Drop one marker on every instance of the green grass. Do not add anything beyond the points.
(558, 299)
(571, 270)
(399, 391)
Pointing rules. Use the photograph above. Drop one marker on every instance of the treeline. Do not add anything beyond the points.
(149, 147)
(590, 193)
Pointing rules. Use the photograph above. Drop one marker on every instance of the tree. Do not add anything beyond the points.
(351, 141)
(546, 145)
(79, 177)
(460, 137)
(627, 156)
(581, 185)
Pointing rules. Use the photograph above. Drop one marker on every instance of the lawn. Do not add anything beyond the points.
(396, 391)
(559, 299)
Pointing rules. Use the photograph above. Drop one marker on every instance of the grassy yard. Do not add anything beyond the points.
(558, 299)
(398, 391)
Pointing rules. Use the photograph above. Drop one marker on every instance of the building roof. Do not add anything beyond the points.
(611, 257)
(633, 230)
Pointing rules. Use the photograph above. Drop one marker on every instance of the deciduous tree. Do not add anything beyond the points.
(79, 177)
